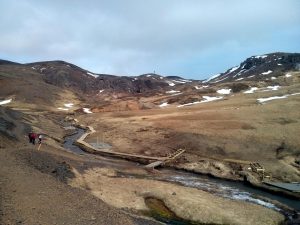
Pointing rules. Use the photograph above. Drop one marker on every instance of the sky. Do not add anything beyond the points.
(190, 38)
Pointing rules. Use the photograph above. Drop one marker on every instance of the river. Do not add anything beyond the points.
(224, 188)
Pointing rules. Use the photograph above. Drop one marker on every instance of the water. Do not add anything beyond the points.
(228, 189)
(69, 142)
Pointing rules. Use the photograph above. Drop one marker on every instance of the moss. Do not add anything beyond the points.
(161, 212)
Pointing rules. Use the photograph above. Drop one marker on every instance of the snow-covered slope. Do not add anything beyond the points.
(259, 67)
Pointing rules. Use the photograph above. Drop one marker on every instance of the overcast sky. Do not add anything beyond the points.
(191, 38)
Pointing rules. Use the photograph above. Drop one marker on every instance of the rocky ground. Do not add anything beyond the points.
(35, 190)
(32, 192)
(187, 203)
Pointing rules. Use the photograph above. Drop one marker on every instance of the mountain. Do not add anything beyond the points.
(6, 62)
(259, 67)
(66, 75)
(48, 83)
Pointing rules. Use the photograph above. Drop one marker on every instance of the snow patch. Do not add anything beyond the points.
(163, 104)
(260, 56)
(68, 105)
(178, 81)
(65, 109)
(170, 83)
(233, 69)
(224, 91)
(5, 101)
(181, 81)
(91, 74)
(212, 77)
(288, 75)
(100, 91)
(203, 86)
(239, 73)
(279, 64)
(176, 94)
(295, 94)
(172, 91)
(273, 78)
(239, 79)
(251, 90)
(262, 100)
(273, 88)
(206, 99)
(87, 110)
(268, 72)
(217, 81)
(210, 99)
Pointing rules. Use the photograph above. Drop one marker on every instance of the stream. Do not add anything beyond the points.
(224, 188)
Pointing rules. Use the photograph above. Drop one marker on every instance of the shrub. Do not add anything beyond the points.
(237, 87)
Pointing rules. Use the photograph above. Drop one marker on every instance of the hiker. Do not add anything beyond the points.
(29, 136)
(33, 137)
(40, 137)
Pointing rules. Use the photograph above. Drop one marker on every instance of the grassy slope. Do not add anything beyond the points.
(237, 128)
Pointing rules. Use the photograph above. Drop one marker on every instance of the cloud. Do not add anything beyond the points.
(190, 38)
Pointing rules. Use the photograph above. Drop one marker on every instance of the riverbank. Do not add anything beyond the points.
(245, 177)
(187, 203)
(89, 184)
(74, 168)
(211, 167)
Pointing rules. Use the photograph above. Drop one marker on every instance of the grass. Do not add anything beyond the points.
(159, 211)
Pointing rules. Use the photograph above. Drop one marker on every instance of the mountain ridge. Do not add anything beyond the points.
(67, 75)
(268, 65)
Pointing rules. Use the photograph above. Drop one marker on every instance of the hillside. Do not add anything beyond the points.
(61, 87)
(223, 124)
(65, 81)
(261, 67)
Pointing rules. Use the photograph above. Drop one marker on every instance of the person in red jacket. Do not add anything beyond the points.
(33, 137)
(30, 136)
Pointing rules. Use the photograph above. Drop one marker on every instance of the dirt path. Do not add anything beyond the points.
(29, 196)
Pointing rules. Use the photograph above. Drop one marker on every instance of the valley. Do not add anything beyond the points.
(245, 115)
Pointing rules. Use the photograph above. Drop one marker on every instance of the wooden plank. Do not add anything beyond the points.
(293, 187)
(154, 164)
(177, 153)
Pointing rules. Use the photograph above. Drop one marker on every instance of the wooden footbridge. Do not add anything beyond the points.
(170, 157)
(157, 160)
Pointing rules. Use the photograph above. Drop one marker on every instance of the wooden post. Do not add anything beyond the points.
(39, 146)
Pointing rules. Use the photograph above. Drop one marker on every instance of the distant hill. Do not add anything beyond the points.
(58, 76)
(63, 74)
(259, 67)
(6, 62)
